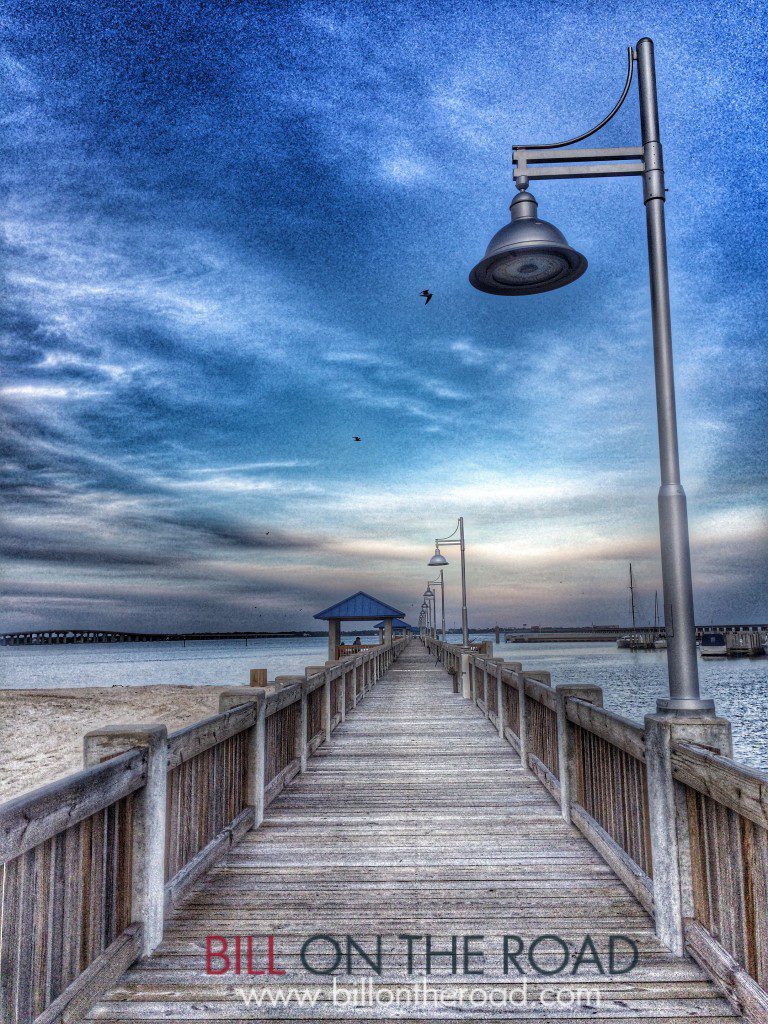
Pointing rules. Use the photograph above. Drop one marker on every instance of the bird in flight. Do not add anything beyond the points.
(357, 439)
(426, 295)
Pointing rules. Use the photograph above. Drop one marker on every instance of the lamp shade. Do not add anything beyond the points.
(527, 256)
(437, 558)
(429, 592)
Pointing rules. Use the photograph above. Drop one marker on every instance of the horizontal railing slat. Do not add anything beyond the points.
(612, 728)
(742, 789)
(195, 739)
(35, 817)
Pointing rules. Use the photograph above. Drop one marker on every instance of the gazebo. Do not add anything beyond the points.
(399, 626)
(360, 607)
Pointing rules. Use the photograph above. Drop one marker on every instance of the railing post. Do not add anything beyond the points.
(524, 717)
(258, 677)
(466, 690)
(233, 698)
(149, 820)
(670, 842)
(500, 696)
(312, 670)
(301, 729)
(566, 750)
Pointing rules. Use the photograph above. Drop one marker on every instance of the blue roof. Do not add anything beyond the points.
(397, 624)
(360, 606)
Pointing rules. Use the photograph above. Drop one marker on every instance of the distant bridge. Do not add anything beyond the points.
(116, 636)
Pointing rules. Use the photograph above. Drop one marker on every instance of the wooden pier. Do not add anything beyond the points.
(404, 790)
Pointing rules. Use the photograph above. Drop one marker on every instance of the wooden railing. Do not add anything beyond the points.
(708, 835)
(91, 863)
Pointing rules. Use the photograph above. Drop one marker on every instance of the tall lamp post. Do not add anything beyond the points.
(439, 582)
(438, 559)
(429, 597)
(529, 256)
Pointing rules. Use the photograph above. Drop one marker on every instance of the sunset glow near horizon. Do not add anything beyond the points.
(218, 220)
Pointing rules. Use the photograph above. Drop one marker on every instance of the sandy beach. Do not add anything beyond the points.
(41, 731)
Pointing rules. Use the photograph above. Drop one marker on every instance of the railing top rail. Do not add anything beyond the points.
(619, 732)
(540, 692)
(32, 818)
(742, 789)
(186, 743)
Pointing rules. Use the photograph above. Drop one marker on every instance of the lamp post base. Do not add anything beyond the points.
(685, 705)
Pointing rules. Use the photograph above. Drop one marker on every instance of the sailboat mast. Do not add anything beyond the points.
(632, 598)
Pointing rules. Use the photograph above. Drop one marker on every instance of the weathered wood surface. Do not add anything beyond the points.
(418, 819)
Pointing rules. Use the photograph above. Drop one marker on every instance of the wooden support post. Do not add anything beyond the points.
(466, 683)
(524, 716)
(334, 639)
(301, 728)
(234, 698)
(149, 820)
(565, 745)
(500, 696)
(670, 843)
(312, 670)
(258, 677)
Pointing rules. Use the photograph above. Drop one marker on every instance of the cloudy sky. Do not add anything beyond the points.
(217, 220)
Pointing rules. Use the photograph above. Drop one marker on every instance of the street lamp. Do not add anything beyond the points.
(429, 594)
(440, 582)
(439, 559)
(425, 613)
(529, 256)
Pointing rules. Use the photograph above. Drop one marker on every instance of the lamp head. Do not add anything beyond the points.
(429, 592)
(527, 256)
(437, 558)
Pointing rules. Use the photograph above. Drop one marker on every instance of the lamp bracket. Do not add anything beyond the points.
(539, 164)
(622, 162)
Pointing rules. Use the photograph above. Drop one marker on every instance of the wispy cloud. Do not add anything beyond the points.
(207, 300)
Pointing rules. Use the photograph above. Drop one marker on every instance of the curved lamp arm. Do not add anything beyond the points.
(603, 123)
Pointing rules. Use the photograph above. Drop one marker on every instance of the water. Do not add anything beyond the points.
(631, 681)
(196, 662)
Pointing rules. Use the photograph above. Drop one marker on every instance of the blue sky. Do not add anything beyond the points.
(217, 220)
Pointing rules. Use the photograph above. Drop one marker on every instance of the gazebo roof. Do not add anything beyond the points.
(359, 607)
(396, 624)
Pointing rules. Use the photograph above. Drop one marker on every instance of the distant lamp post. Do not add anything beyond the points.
(529, 256)
(438, 559)
(439, 582)
(429, 596)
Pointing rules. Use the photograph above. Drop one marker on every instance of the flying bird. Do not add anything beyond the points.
(426, 295)
(357, 439)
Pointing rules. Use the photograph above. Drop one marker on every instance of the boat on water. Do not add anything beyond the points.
(632, 641)
(659, 639)
(643, 639)
(713, 645)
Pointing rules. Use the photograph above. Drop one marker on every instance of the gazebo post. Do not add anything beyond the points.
(334, 639)
(387, 631)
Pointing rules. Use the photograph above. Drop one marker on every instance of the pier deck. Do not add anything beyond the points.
(416, 818)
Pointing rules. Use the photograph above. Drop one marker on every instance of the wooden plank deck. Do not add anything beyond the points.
(416, 819)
